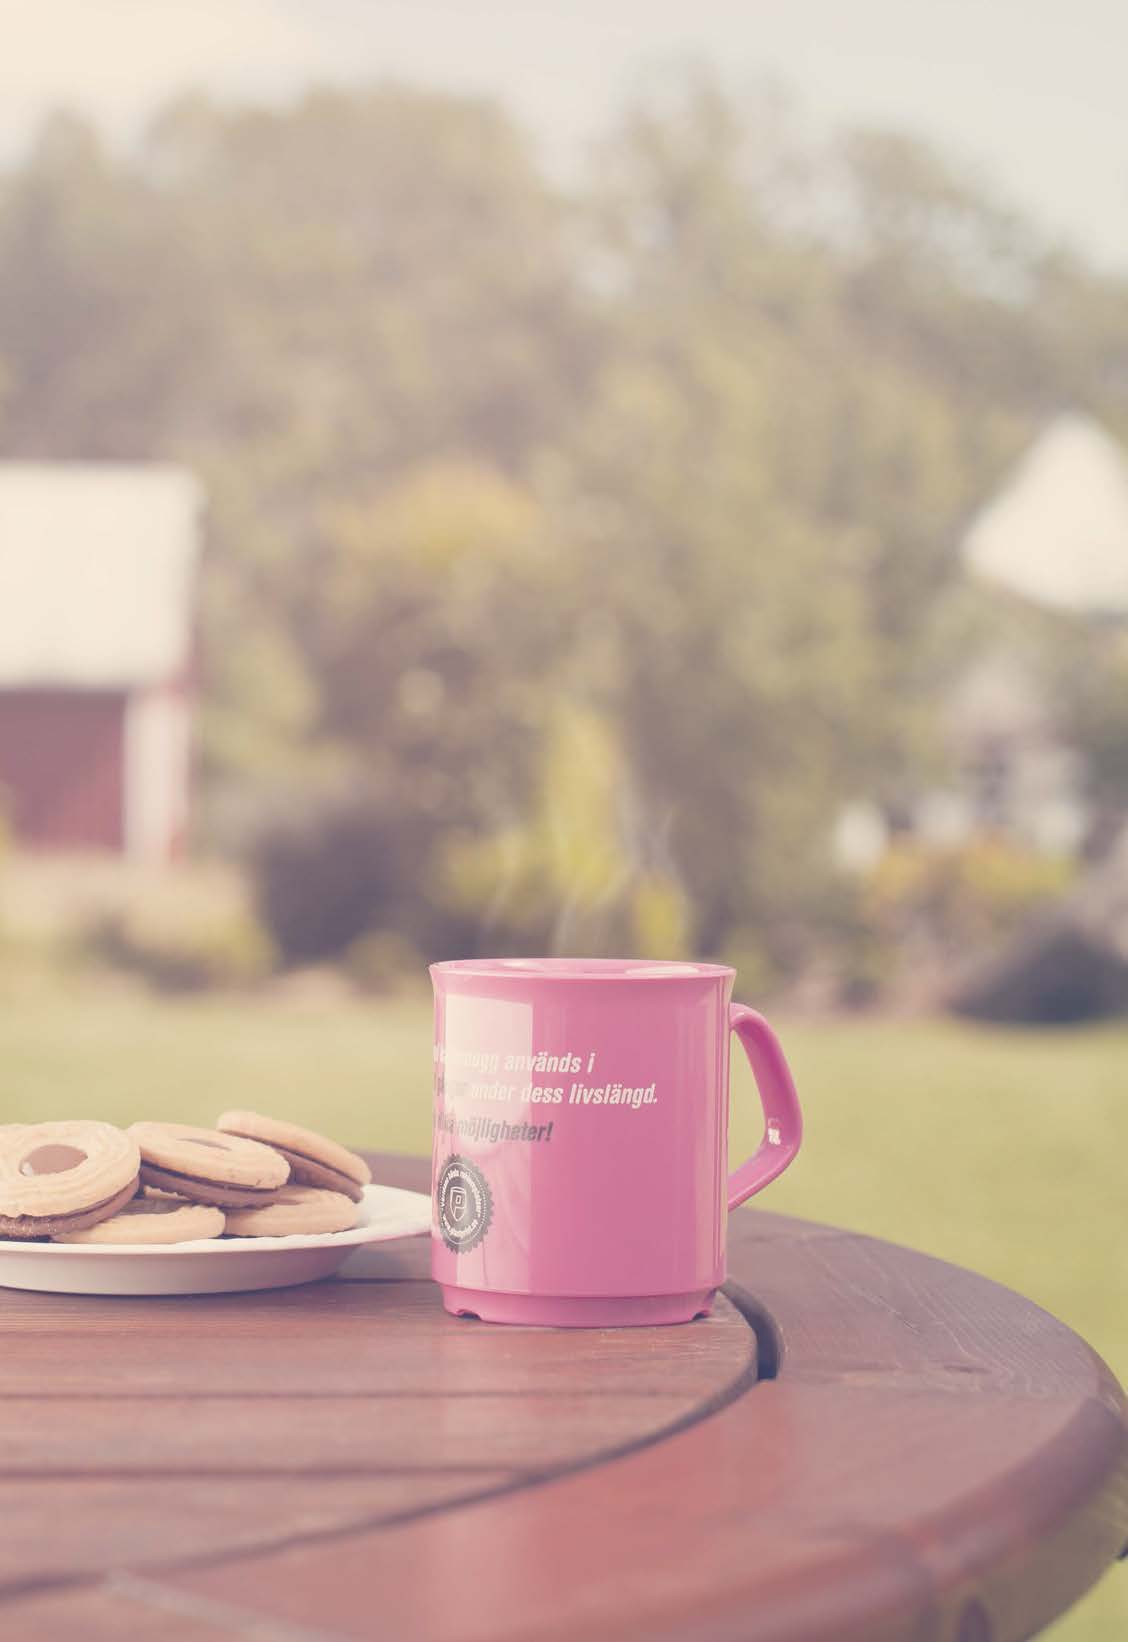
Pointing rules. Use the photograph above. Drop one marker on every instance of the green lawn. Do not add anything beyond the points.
(1005, 1151)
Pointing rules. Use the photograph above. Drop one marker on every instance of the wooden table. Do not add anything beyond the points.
(862, 1444)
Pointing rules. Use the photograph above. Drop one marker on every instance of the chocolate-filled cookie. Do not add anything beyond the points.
(153, 1220)
(314, 1159)
(208, 1167)
(299, 1210)
(64, 1176)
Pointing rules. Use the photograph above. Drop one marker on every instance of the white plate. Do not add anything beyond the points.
(216, 1266)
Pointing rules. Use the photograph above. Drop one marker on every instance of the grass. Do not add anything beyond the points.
(1004, 1151)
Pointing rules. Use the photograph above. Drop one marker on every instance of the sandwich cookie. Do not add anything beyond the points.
(62, 1177)
(152, 1220)
(313, 1159)
(208, 1167)
(299, 1210)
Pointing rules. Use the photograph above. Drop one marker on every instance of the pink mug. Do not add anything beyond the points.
(580, 1173)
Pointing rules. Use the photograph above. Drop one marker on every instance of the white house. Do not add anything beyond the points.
(1057, 530)
(98, 567)
(1055, 535)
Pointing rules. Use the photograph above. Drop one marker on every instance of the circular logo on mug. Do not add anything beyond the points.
(464, 1204)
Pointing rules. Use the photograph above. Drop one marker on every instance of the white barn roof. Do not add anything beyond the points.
(97, 570)
(1057, 532)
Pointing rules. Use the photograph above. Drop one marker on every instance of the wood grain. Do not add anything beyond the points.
(115, 1521)
(823, 1514)
(936, 1460)
(880, 1314)
(287, 1435)
(132, 1608)
(143, 1431)
(332, 1340)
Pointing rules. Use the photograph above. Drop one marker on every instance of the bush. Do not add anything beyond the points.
(383, 961)
(954, 900)
(341, 865)
(185, 935)
(1055, 974)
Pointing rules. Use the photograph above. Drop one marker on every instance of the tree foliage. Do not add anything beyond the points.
(666, 470)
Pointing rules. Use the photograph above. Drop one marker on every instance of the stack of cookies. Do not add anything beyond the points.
(250, 1176)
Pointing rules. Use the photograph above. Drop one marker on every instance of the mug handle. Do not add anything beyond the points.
(783, 1121)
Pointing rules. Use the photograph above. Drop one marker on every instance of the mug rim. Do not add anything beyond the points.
(583, 969)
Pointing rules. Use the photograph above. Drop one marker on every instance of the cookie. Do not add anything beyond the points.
(153, 1220)
(62, 1177)
(299, 1210)
(313, 1160)
(208, 1167)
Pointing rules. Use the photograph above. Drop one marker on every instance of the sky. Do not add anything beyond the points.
(1028, 93)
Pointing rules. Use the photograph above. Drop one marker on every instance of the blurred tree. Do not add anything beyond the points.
(765, 500)
(435, 633)
(1088, 667)
(394, 272)
(103, 328)
(671, 473)
(395, 286)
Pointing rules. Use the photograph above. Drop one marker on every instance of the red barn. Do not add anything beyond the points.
(97, 577)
